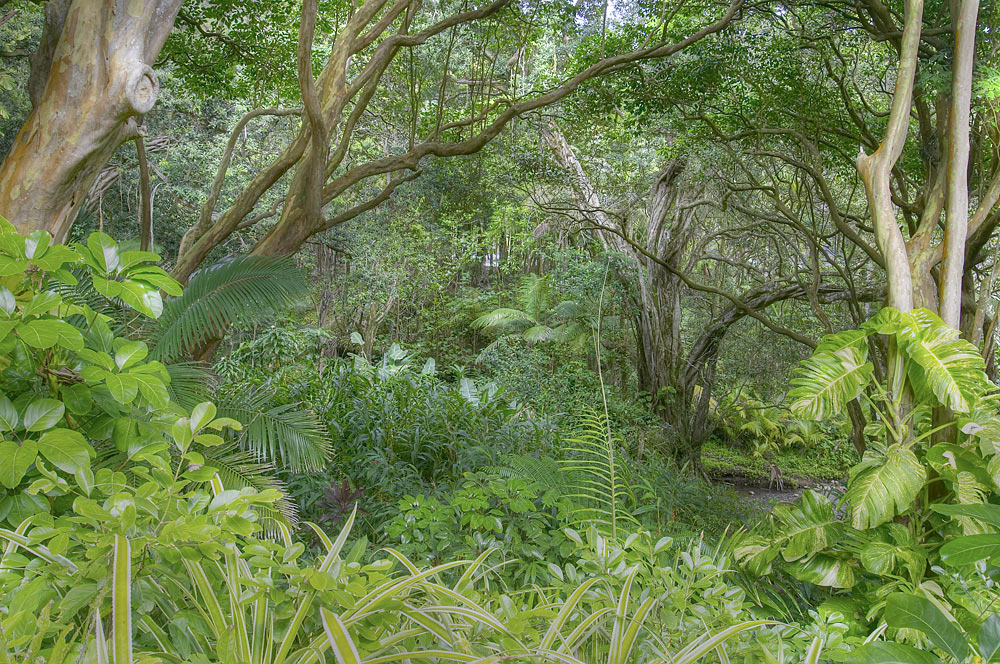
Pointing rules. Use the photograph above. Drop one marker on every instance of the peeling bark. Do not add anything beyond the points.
(90, 75)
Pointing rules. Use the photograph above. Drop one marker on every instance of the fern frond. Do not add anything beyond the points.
(229, 293)
(595, 475)
(544, 471)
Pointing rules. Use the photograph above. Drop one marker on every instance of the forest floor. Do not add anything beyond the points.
(767, 493)
(823, 470)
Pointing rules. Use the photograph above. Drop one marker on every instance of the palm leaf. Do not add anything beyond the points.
(535, 295)
(190, 383)
(503, 317)
(289, 435)
(234, 292)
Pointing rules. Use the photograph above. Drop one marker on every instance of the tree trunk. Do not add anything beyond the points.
(94, 60)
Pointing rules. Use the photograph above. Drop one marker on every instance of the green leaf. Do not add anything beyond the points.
(906, 611)
(130, 353)
(121, 601)
(887, 321)
(825, 382)
(825, 570)
(989, 514)
(15, 460)
(66, 449)
(39, 333)
(123, 387)
(883, 487)
(36, 243)
(879, 557)
(340, 640)
(7, 301)
(831, 343)
(989, 639)
(41, 303)
(943, 365)
(10, 266)
(156, 277)
(202, 414)
(809, 524)
(55, 257)
(143, 298)
(129, 259)
(890, 653)
(970, 549)
(104, 250)
(77, 398)
(8, 415)
(47, 332)
(42, 414)
(152, 388)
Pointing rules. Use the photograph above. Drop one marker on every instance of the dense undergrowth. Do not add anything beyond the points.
(380, 509)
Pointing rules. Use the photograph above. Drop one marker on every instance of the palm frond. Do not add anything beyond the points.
(538, 333)
(229, 293)
(503, 317)
(535, 295)
(191, 383)
(288, 435)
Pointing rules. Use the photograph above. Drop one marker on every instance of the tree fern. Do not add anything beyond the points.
(594, 475)
(221, 296)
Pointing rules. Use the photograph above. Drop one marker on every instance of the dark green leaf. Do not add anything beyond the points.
(905, 611)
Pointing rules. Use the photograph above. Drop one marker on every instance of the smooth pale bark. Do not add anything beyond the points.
(957, 202)
(876, 169)
(92, 73)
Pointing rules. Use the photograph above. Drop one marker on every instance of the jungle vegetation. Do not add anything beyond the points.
(646, 331)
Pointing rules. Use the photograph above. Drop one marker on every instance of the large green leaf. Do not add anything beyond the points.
(825, 570)
(989, 514)
(906, 611)
(890, 653)
(66, 449)
(42, 413)
(826, 381)
(882, 487)
(970, 549)
(836, 341)
(989, 639)
(15, 460)
(809, 524)
(943, 366)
